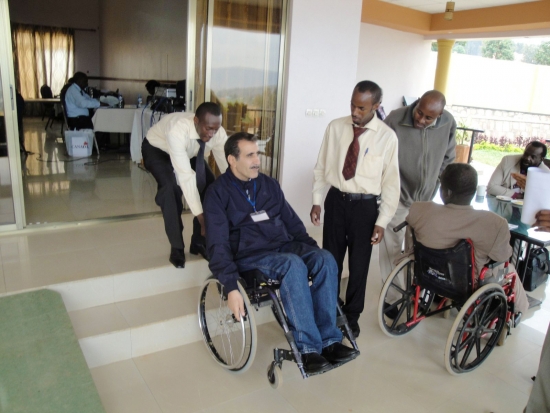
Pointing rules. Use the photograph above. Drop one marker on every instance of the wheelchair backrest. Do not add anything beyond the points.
(448, 272)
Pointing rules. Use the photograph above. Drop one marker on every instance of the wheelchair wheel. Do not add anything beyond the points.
(476, 330)
(400, 299)
(231, 343)
(275, 375)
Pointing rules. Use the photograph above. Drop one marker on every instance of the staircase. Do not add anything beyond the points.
(122, 316)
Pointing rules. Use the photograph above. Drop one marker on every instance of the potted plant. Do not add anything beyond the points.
(462, 136)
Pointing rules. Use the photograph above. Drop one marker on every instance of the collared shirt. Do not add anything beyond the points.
(377, 170)
(77, 102)
(176, 135)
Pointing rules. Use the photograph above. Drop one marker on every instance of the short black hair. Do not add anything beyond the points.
(373, 88)
(460, 178)
(538, 144)
(152, 84)
(231, 146)
(78, 76)
(208, 107)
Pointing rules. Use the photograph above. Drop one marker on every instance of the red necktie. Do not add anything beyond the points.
(350, 164)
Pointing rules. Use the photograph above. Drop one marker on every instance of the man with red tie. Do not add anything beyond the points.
(358, 159)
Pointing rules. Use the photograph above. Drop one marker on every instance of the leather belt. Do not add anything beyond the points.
(353, 197)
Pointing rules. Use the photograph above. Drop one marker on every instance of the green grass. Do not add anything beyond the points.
(489, 156)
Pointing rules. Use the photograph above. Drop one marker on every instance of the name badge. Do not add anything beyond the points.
(259, 216)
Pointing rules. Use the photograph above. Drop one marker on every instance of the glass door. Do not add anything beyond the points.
(11, 205)
(238, 49)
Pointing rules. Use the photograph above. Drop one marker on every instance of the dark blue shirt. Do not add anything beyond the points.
(232, 234)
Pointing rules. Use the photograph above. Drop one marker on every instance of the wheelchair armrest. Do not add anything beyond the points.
(400, 226)
(493, 264)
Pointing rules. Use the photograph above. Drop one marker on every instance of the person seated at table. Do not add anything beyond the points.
(78, 104)
(443, 226)
(175, 151)
(511, 173)
(151, 86)
(261, 231)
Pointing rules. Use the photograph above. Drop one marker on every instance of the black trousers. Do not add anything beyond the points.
(169, 194)
(349, 225)
(80, 122)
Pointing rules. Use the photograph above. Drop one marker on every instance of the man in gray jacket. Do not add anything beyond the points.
(426, 135)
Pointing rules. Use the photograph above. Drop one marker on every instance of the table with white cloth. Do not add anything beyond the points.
(114, 120)
(143, 119)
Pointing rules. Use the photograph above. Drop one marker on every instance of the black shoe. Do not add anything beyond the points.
(196, 249)
(355, 330)
(315, 363)
(338, 353)
(517, 318)
(391, 313)
(177, 258)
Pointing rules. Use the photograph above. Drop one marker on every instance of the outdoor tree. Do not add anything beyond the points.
(498, 49)
(542, 54)
(459, 47)
(529, 51)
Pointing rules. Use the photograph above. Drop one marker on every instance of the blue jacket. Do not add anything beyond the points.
(232, 234)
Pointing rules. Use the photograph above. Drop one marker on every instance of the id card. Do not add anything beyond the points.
(259, 216)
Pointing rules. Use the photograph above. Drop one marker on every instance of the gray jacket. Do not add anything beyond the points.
(423, 153)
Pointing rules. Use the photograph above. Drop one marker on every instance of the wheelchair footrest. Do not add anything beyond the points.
(332, 367)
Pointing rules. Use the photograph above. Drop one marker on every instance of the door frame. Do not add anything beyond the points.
(10, 117)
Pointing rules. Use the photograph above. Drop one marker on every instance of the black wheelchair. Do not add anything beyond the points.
(486, 306)
(233, 343)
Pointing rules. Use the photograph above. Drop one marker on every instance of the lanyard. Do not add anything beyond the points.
(251, 202)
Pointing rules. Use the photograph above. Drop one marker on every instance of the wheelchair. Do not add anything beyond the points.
(486, 307)
(233, 343)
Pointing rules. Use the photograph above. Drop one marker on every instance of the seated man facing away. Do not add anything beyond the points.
(250, 226)
(443, 226)
(510, 176)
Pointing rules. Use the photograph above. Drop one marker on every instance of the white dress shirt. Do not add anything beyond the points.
(176, 135)
(77, 102)
(377, 170)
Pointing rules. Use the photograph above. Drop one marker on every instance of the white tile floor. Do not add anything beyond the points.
(59, 188)
(406, 374)
(391, 375)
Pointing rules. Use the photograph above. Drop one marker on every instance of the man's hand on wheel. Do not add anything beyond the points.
(315, 215)
(236, 304)
(377, 235)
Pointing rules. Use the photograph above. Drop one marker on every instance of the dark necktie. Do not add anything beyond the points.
(350, 164)
(199, 168)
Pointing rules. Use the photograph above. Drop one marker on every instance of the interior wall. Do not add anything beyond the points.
(321, 71)
(399, 62)
(77, 14)
(142, 40)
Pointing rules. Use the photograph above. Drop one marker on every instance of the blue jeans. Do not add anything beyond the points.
(311, 310)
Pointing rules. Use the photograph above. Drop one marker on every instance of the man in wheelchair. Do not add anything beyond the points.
(442, 226)
(250, 226)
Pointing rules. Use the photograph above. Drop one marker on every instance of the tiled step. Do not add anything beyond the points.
(108, 289)
(132, 328)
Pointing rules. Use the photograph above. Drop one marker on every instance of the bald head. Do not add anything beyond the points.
(428, 109)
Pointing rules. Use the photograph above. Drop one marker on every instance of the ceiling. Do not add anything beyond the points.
(438, 6)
